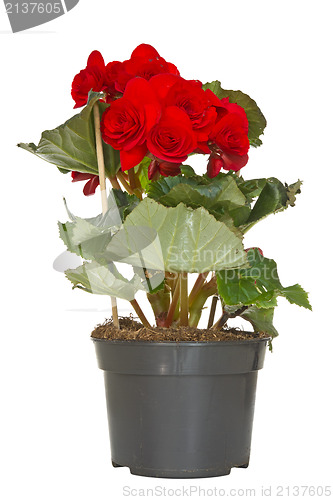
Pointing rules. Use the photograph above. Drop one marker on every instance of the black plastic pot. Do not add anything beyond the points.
(180, 410)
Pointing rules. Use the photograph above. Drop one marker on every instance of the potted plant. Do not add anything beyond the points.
(180, 398)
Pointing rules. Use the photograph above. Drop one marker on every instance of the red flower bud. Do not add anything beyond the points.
(153, 171)
(215, 163)
(90, 186)
(165, 168)
(169, 169)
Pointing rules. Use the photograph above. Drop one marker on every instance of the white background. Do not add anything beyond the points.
(54, 437)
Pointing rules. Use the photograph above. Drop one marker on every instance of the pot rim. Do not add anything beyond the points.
(191, 343)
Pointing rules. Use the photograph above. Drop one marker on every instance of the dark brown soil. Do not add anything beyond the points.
(132, 330)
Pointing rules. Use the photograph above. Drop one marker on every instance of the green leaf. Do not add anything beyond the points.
(71, 146)
(261, 320)
(187, 171)
(162, 187)
(251, 285)
(258, 284)
(84, 239)
(65, 233)
(125, 202)
(251, 188)
(142, 171)
(292, 191)
(220, 196)
(268, 300)
(103, 280)
(94, 96)
(273, 197)
(176, 239)
(296, 295)
(153, 281)
(256, 119)
(89, 237)
(62, 170)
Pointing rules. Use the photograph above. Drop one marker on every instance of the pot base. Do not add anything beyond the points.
(179, 474)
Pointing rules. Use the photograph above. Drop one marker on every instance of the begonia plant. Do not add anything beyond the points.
(161, 218)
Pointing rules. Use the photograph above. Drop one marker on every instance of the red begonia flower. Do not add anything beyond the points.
(90, 78)
(126, 123)
(172, 139)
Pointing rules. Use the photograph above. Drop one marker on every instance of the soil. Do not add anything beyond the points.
(130, 329)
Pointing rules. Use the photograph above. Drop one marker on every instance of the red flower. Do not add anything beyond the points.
(127, 122)
(189, 96)
(234, 162)
(90, 78)
(234, 108)
(162, 84)
(223, 107)
(145, 62)
(172, 139)
(230, 136)
(90, 186)
(220, 160)
(116, 80)
(164, 168)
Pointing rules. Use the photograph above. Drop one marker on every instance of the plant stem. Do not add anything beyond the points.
(196, 287)
(183, 318)
(137, 178)
(212, 311)
(160, 303)
(171, 280)
(101, 174)
(140, 313)
(199, 301)
(173, 305)
(225, 316)
(124, 182)
(131, 178)
(135, 183)
(114, 182)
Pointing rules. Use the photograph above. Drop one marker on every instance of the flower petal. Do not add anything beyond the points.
(145, 50)
(96, 59)
(234, 162)
(130, 159)
(91, 186)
